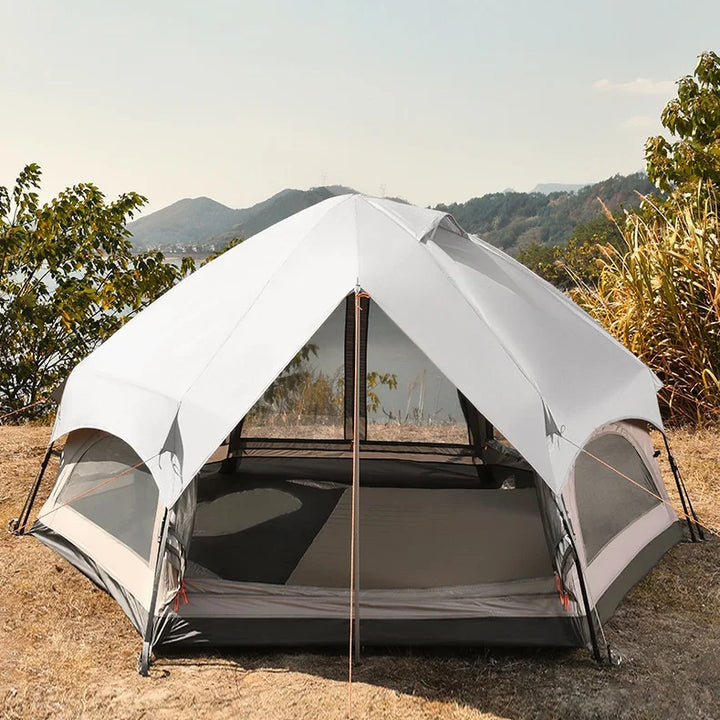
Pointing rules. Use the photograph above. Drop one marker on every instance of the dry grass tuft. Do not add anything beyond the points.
(659, 297)
(68, 652)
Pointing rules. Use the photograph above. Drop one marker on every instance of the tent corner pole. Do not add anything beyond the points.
(688, 510)
(17, 526)
(143, 664)
(597, 656)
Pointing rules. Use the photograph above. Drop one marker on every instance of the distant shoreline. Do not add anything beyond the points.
(176, 258)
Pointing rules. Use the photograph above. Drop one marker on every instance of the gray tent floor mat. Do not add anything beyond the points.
(275, 522)
(269, 550)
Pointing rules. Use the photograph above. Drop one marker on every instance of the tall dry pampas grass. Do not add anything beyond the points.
(659, 296)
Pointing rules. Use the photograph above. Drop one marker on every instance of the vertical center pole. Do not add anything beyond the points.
(354, 639)
(356, 479)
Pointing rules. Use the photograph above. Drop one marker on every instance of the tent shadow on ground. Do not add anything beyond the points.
(485, 679)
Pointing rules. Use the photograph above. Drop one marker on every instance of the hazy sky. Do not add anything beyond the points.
(434, 102)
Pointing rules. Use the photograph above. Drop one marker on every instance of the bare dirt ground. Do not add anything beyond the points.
(66, 650)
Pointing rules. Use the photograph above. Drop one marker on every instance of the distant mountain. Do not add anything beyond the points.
(207, 225)
(547, 188)
(276, 208)
(509, 219)
(183, 222)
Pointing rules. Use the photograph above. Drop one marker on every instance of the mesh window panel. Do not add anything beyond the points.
(408, 398)
(126, 506)
(607, 503)
(306, 400)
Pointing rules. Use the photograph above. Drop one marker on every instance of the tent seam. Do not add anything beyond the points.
(481, 315)
(398, 221)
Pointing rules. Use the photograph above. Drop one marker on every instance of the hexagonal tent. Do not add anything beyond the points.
(362, 367)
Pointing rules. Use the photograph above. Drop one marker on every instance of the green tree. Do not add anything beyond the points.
(603, 229)
(231, 244)
(68, 280)
(581, 258)
(540, 258)
(694, 119)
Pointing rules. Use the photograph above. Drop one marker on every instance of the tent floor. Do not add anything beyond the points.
(281, 520)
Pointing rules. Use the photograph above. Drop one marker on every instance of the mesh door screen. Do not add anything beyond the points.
(126, 506)
(408, 398)
(607, 503)
(306, 400)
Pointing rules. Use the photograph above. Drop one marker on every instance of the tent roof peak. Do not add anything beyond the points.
(419, 222)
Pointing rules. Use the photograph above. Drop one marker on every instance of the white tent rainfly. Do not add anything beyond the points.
(363, 369)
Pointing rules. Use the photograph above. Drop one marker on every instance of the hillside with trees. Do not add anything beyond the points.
(273, 210)
(513, 220)
(205, 226)
(182, 223)
(510, 220)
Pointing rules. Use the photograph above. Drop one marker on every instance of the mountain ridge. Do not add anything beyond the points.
(510, 220)
(209, 225)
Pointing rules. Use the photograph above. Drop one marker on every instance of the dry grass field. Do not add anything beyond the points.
(66, 650)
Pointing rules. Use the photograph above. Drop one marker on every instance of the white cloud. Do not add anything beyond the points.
(640, 86)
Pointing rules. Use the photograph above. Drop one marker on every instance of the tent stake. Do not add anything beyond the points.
(18, 525)
(144, 659)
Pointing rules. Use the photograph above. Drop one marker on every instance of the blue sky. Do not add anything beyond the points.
(434, 102)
